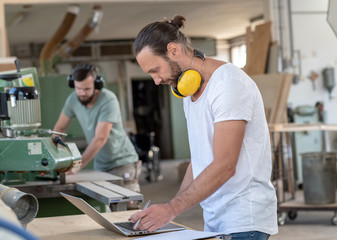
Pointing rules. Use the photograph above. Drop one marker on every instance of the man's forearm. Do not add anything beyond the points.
(90, 152)
(188, 178)
(211, 179)
(62, 124)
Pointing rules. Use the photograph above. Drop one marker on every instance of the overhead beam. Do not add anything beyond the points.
(90, 1)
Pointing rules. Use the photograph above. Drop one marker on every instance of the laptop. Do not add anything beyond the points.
(124, 228)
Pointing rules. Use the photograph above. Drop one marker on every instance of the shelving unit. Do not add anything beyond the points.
(291, 200)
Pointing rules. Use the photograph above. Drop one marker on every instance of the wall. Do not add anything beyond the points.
(317, 43)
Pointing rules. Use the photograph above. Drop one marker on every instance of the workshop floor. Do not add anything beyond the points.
(309, 225)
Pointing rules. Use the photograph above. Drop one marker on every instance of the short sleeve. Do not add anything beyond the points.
(68, 107)
(110, 110)
(233, 99)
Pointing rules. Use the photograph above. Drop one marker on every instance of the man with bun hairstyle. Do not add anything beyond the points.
(98, 112)
(230, 169)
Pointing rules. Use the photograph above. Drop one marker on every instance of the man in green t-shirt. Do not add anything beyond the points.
(98, 112)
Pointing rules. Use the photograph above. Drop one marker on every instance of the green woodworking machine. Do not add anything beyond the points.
(28, 153)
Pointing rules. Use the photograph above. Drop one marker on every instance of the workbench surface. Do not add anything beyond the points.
(80, 227)
(295, 127)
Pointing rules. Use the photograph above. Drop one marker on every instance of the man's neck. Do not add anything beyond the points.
(94, 99)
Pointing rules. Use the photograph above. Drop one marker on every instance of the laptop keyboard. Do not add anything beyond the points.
(127, 225)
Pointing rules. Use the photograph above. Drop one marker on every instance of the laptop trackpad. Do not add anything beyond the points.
(129, 226)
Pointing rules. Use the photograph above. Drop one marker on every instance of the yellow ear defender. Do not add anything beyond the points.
(189, 80)
(188, 83)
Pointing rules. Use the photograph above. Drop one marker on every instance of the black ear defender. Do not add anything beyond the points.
(99, 81)
(189, 80)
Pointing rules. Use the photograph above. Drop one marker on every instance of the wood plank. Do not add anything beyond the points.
(275, 90)
(268, 114)
(92, 175)
(248, 39)
(272, 62)
(259, 47)
(298, 203)
(281, 107)
(295, 127)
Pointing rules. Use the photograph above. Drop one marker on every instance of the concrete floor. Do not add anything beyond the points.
(309, 225)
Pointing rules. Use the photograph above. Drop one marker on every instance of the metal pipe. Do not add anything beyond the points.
(70, 46)
(280, 34)
(24, 205)
(291, 42)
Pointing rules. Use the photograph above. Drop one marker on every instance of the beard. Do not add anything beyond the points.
(86, 101)
(175, 73)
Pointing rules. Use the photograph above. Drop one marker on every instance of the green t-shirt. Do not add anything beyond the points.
(118, 150)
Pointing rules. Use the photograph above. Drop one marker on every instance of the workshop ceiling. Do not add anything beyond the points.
(220, 19)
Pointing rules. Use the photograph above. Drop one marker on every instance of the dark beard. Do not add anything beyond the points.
(175, 73)
(86, 102)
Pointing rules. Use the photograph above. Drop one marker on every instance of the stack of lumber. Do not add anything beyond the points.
(274, 87)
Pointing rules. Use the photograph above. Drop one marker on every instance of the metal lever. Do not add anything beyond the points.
(12, 76)
(17, 65)
(52, 132)
(58, 140)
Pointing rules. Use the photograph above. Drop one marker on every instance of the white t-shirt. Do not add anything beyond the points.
(247, 201)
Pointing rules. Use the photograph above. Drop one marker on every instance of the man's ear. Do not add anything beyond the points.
(173, 50)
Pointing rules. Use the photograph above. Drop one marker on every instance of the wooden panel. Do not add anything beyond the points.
(275, 90)
(272, 64)
(258, 49)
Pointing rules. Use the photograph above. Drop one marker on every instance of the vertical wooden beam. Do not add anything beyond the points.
(121, 89)
(3, 34)
(125, 98)
(129, 99)
(249, 40)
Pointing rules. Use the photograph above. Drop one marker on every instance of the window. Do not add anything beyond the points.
(238, 55)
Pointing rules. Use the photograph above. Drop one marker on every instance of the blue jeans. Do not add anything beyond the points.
(253, 235)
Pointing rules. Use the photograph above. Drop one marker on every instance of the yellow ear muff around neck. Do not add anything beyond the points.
(188, 82)
(176, 93)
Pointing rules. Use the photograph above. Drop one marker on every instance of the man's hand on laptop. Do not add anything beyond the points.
(153, 217)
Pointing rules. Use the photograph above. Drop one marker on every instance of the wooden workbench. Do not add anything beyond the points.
(77, 227)
(294, 127)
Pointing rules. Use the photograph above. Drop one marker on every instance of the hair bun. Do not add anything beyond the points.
(178, 21)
